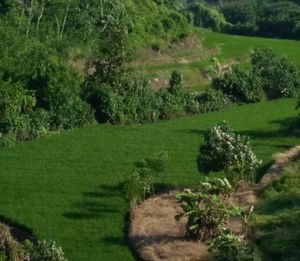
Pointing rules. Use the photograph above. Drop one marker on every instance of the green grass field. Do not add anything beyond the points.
(227, 48)
(65, 187)
(277, 218)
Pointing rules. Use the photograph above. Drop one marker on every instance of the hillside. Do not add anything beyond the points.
(193, 57)
(66, 187)
(105, 103)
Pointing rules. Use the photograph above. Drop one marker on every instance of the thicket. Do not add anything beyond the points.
(270, 77)
(279, 19)
(42, 87)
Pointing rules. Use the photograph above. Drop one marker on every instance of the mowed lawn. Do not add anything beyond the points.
(65, 187)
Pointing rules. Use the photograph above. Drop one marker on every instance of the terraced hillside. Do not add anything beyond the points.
(193, 56)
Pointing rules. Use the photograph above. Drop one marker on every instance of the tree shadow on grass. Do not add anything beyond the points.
(284, 130)
(95, 204)
(19, 231)
(287, 201)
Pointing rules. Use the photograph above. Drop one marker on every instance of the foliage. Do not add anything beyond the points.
(230, 247)
(207, 209)
(280, 78)
(240, 86)
(223, 149)
(10, 249)
(270, 77)
(137, 102)
(278, 19)
(140, 183)
(39, 92)
(204, 16)
(213, 100)
(47, 251)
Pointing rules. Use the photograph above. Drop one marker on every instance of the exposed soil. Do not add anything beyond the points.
(156, 235)
(183, 52)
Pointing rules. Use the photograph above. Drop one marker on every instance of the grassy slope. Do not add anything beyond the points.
(226, 48)
(278, 228)
(65, 187)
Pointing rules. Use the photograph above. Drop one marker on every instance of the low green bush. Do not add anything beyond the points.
(47, 251)
(230, 247)
(207, 209)
(213, 100)
(140, 183)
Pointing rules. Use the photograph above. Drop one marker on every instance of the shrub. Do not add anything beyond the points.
(213, 100)
(47, 251)
(207, 209)
(10, 249)
(139, 183)
(73, 113)
(280, 78)
(240, 86)
(223, 149)
(230, 247)
(137, 102)
(270, 77)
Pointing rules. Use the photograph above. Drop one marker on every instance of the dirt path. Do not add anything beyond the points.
(156, 235)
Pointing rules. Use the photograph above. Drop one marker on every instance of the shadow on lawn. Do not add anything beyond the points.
(284, 130)
(18, 231)
(95, 204)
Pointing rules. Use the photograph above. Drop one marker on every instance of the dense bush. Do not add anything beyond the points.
(279, 77)
(206, 16)
(223, 149)
(137, 102)
(39, 92)
(230, 247)
(269, 18)
(213, 100)
(240, 86)
(270, 77)
(207, 209)
(12, 250)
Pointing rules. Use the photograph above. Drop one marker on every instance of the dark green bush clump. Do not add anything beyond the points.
(271, 77)
(137, 102)
(213, 100)
(39, 92)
